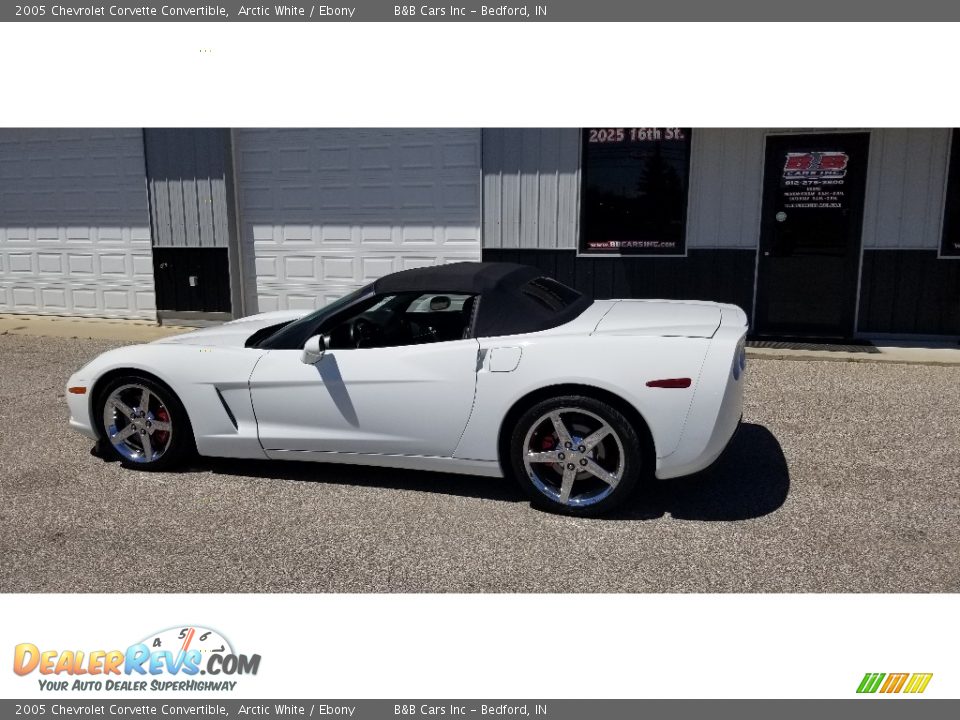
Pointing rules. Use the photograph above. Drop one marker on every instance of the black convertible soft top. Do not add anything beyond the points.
(507, 299)
(512, 298)
(474, 278)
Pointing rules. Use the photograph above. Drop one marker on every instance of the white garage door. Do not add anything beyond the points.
(326, 211)
(74, 227)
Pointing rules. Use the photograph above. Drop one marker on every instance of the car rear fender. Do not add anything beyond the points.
(617, 364)
(717, 404)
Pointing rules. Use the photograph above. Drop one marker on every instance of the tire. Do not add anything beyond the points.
(567, 479)
(126, 434)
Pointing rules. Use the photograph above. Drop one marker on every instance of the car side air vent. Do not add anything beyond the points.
(227, 408)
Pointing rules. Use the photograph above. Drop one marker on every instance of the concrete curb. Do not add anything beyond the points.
(940, 357)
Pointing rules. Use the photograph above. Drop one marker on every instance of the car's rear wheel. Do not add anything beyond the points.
(143, 424)
(576, 455)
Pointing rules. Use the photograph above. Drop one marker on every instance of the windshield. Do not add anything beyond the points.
(295, 334)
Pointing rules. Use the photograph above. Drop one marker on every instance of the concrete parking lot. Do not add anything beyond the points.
(844, 478)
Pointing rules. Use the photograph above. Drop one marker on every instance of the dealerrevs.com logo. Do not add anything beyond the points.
(178, 658)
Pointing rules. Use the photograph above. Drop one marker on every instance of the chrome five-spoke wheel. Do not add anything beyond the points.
(573, 456)
(576, 454)
(137, 422)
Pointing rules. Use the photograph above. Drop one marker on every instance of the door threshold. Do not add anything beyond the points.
(188, 318)
(828, 345)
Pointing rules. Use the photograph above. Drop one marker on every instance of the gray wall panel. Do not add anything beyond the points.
(492, 155)
(726, 174)
(568, 189)
(531, 187)
(905, 188)
(546, 235)
(510, 188)
(186, 171)
(530, 173)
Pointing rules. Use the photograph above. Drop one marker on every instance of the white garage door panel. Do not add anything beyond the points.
(326, 211)
(308, 282)
(74, 227)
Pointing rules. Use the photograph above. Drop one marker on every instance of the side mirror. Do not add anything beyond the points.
(313, 350)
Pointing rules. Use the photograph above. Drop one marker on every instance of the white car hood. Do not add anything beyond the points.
(235, 332)
(661, 318)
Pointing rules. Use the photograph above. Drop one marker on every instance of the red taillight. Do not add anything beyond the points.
(670, 383)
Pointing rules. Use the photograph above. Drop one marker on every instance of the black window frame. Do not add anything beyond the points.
(679, 249)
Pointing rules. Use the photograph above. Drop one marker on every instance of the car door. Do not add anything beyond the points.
(407, 400)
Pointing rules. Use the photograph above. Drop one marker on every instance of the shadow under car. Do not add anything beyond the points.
(749, 480)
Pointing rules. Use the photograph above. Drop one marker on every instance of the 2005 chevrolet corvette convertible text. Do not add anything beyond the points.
(481, 368)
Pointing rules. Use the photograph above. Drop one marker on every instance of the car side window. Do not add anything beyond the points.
(404, 319)
(438, 302)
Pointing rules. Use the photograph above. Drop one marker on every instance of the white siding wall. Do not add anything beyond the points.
(325, 211)
(903, 205)
(906, 189)
(726, 188)
(74, 227)
(531, 187)
(531, 191)
(526, 171)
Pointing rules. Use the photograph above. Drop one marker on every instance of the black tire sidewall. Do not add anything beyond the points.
(181, 444)
(633, 448)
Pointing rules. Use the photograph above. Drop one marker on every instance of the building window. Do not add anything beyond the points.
(950, 244)
(634, 198)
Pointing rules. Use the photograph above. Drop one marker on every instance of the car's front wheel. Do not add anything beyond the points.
(576, 454)
(143, 424)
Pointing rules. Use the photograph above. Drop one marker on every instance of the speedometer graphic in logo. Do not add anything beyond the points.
(183, 639)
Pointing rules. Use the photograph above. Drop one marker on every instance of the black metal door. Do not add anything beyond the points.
(192, 280)
(810, 234)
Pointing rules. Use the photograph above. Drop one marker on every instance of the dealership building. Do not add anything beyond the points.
(826, 234)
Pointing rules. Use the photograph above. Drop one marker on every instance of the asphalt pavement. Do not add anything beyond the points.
(845, 477)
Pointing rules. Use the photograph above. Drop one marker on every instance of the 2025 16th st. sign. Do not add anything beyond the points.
(634, 184)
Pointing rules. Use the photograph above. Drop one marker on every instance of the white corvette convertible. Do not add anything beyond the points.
(480, 368)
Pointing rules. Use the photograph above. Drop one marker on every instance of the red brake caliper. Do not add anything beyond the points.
(548, 443)
(162, 435)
